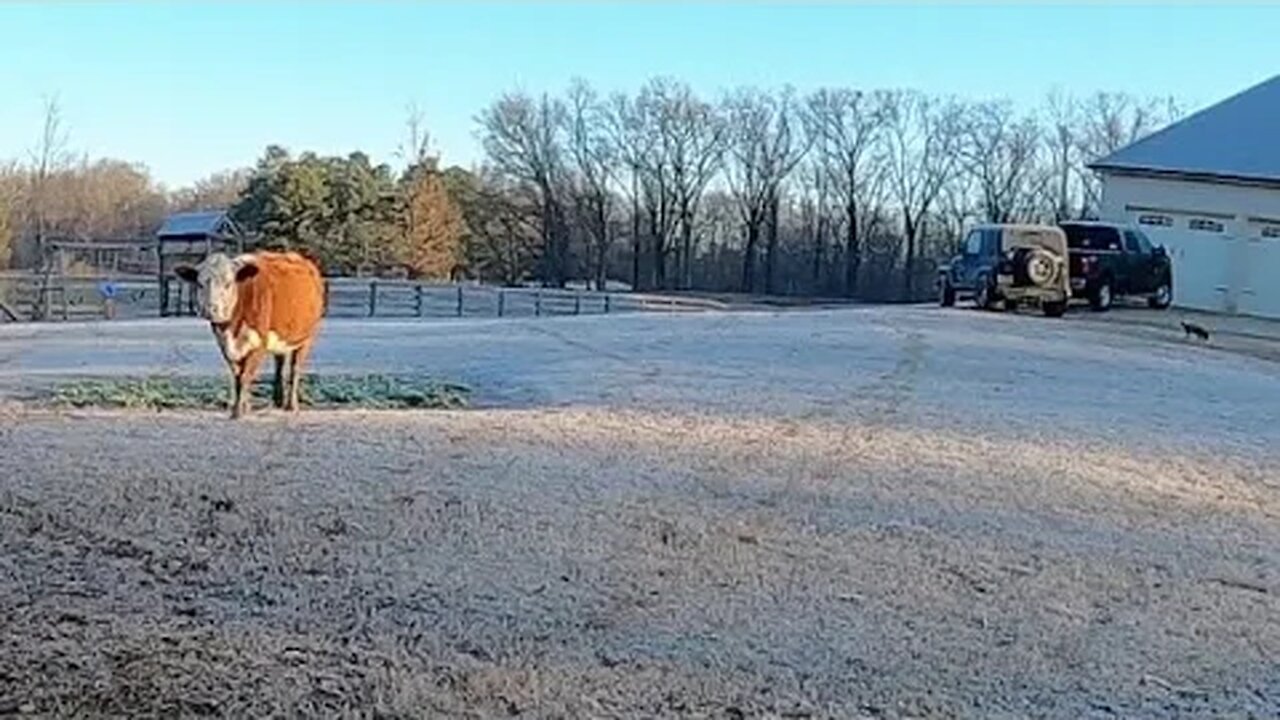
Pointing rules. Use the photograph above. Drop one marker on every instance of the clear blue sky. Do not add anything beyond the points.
(190, 88)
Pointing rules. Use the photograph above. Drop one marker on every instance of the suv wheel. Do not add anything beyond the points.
(1102, 298)
(982, 295)
(946, 293)
(1161, 298)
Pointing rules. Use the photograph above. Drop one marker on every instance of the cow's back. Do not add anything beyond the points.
(285, 297)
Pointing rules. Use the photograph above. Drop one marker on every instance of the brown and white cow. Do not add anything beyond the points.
(258, 304)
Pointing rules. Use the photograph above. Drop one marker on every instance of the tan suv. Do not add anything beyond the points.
(1013, 264)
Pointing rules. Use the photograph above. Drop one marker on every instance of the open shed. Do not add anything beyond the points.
(187, 238)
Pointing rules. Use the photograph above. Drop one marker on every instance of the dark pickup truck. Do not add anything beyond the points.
(1110, 260)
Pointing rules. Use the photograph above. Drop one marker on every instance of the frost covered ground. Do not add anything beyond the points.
(879, 512)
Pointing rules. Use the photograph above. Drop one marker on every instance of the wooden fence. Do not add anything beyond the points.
(24, 298)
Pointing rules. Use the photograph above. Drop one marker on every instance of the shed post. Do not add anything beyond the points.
(162, 282)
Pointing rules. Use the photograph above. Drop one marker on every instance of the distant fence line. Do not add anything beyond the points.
(25, 298)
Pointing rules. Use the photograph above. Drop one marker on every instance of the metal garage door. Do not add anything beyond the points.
(1201, 253)
(1260, 286)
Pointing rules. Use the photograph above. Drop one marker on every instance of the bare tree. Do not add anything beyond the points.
(521, 137)
(48, 158)
(851, 125)
(415, 148)
(657, 180)
(635, 142)
(595, 161)
(813, 210)
(692, 137)
(765, 146)
(999, 152)
(1108, 122)
(958, 206)
(922, 137)
(1062, 150)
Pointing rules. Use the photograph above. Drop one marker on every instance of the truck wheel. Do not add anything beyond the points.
(946, 293)
(1054, 309)
(1101, 298)
(1161, 298)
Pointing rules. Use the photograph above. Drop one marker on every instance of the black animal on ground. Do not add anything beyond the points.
(1190, 329)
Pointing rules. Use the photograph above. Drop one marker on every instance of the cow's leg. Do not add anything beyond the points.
(277, 390)
(237, 369)
(249, 367)
(299, 359)
(233, 375)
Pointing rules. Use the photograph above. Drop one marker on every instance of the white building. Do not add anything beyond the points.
(1208, 189)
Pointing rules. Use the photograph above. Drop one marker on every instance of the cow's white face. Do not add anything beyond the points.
(215, 280)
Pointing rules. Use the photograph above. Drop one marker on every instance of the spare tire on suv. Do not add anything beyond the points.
(1041, 267)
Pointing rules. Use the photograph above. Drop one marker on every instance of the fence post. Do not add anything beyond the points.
(459, 301)
(326, 296)
(537, 303)
(373, 297)
(606, 303)
(577, 304)
(417, 300)
(502, 300)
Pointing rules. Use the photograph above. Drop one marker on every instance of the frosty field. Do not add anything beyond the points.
(868, 512)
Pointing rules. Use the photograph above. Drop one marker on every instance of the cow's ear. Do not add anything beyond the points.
(186, 272)
(245, 271)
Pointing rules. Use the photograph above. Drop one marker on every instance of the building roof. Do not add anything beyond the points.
(206, 223)
(1237, 139)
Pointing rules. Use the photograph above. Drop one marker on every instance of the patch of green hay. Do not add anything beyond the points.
(383, 392)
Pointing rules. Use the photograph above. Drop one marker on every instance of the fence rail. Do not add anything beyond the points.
(82, 298)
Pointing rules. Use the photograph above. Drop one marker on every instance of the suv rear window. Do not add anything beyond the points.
(1092, 237)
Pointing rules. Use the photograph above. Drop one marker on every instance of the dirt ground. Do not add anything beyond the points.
(855, 513)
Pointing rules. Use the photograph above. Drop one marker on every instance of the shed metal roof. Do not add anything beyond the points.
(213, 223)
(1236, 139)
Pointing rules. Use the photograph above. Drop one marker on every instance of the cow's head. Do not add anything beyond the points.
(216, 279)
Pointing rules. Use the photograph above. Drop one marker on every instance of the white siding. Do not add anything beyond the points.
(1234, 270)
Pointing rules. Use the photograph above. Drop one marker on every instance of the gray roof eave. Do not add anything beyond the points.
(1206, 176)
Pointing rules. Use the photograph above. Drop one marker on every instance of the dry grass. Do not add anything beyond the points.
(577, 563)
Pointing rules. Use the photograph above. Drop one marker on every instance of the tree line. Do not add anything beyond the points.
(836, 192)
(840, 191)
